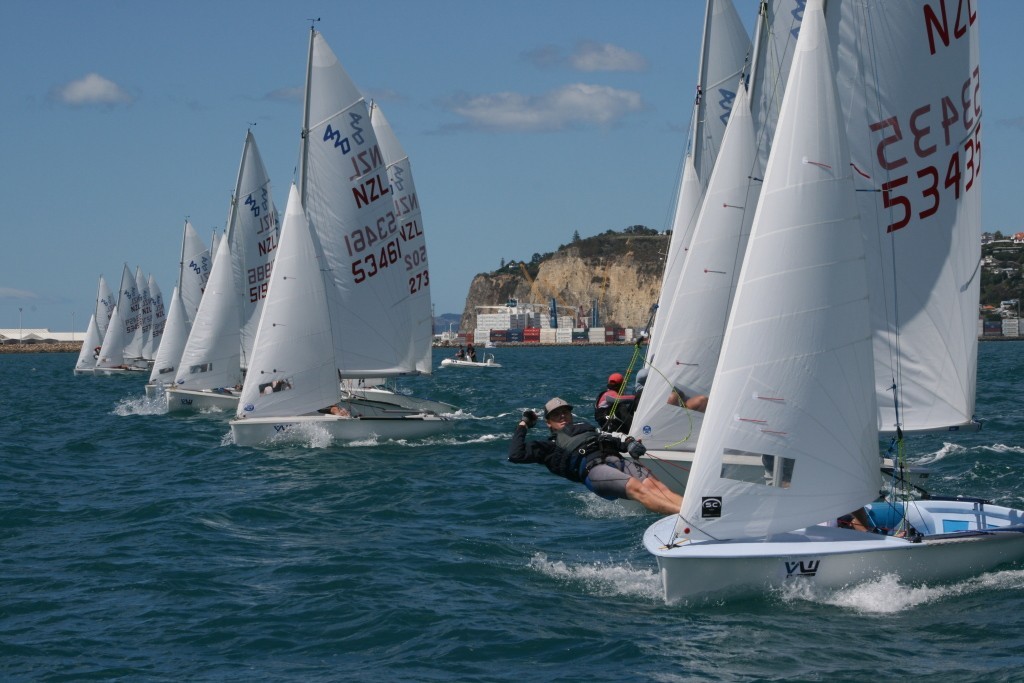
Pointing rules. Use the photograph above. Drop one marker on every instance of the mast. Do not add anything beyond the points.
(697, 119)
(233, 205)
(181, 261)
(755, 61)
(304, 149)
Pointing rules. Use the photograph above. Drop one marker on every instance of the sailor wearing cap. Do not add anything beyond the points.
(578, 452)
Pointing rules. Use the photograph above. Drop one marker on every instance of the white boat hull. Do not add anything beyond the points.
(117, 371)
(253, 431)
(201, 400)
(456, 363)
(364, 400)
(960, 539)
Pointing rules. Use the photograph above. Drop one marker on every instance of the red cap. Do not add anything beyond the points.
(616, 378)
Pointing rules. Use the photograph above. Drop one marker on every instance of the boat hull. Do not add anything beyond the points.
(365, 401)
(455, 363)
(117, 371)
(196, 401)
(830, 558)
(253, 431)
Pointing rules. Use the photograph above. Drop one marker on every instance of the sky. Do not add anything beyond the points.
(524, 122)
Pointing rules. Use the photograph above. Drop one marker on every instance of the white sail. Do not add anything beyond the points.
(916, 145)
(194, 271)
(98, 323)
(172, 343)
(794, 381)
(253, 234)
(779, 25)
(112, 350)
(123, 324)
(347, 197)
(692, 339)
(691, 318)
(133, 345)
(156, 299)
(414, 245)
(724, 49)
(105, 300)
(90, 348)
(211, 357)
(292, 370)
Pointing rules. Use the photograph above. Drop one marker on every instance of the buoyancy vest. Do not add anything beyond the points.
(579, 442)
(623, 412)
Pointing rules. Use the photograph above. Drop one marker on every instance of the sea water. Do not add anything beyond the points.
(141, 546)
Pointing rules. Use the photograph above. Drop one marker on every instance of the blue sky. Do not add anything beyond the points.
(525, 121)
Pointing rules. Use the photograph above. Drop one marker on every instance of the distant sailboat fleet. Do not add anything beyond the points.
(302, 325)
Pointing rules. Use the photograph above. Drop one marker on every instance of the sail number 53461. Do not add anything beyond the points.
(374, 262)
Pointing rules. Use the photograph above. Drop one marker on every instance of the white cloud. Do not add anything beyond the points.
(592, 56)
(574, 105)
(11, 293)
(91, 89)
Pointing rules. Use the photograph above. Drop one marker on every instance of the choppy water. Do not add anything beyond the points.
(138, 546)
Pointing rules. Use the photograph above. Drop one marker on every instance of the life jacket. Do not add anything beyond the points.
(623, 418)
(580, 443)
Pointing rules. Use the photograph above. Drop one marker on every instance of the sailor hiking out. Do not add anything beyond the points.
(578, 452)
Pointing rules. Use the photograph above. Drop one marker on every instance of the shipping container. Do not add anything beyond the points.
(531, 334)
(515, 335)
(993, 328)
(499, 335)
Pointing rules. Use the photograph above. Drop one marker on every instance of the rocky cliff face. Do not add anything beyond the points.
(622, 272)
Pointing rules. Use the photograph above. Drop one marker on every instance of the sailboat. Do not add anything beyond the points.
(373, 395)
(697, 291)
(99, 320)
(193, 272)
(156, 299)
(221, 339)
(142, 313)
(795, 383)
(113, 358)
(337, 304)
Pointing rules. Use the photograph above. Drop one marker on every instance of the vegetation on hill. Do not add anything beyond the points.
(1001, 272)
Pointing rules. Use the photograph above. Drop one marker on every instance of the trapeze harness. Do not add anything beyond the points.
(587, 449)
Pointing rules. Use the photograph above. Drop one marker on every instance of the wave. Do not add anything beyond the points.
(602, 579)
(887, 595)
(141, 405)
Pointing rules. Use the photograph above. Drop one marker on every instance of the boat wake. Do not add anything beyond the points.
(141, 405)
(601, 579)
(596, 507)
(886, 595)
